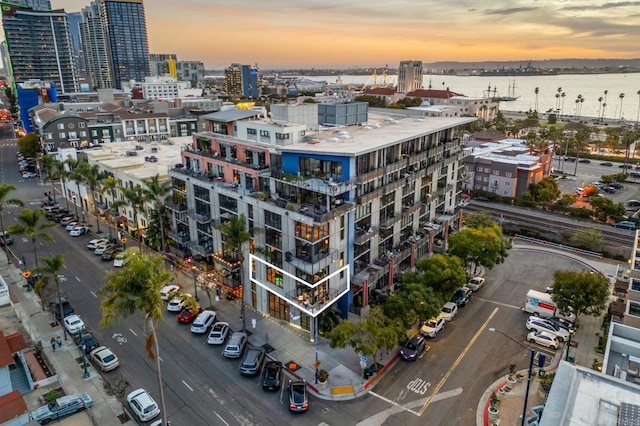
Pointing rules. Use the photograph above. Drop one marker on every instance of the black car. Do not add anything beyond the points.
(110, 253)
(462, 296)
(298, 400)
(412, 348)
(67, 309)
(606, 164)
(272, 376)
(584, 161)
(88, 342)
(481, 198)
(625, 166)
(561, 323)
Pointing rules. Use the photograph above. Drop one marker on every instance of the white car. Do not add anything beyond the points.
(177, 304)
(143, 405)
(119, 261)
(29, 175)
(538, 324)
(78, 230)
(72, 225)
(543, 338)
(104, 358)
(449, 311)
(73, 324)
(91, 245)
(431, 327)
(203, 321)
(164, 292)
(218, 333)
(101, 248)
(475, 283)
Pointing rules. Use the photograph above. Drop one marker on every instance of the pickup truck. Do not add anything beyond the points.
(64, 406)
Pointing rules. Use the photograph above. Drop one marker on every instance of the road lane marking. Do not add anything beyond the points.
(223, 421)
(189, 387)
(457, 361)
(94, 295)
(387, 400)
(160, 358)
(78, 279)
(133, 332)
(498, 303)
(64, 266)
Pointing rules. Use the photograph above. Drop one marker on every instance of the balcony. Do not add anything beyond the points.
(389, 222)
(204, 251)
(364, 235)
(411, 207)
(216, 156)
(322, 186)
(181, 237)
(312, 263)
(199, 217)
(176, 207)
(227, 261)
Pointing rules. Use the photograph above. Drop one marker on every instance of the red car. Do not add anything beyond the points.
(187, 316)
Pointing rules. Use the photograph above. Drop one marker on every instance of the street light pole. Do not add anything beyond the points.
(566, 358)
(533, 352)
(195, 282)
(85, 375)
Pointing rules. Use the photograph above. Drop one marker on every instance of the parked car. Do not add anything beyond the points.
(119, 260)
(187, 316)
(91, 245)
(607, 164)
(143, 405)
(625, 224)
(236, 345)
(164, 292)
(412, 348)
(272, 376)
(176, 304)
(78, 230)
(101, 248)
(633, 203)
(64, 221)
(29, 175)
(110, 253)
(536, 324)
(252, 362)
(67, 309)
(543, 338)
(72, 225)
(482, 198)
(584, 161)
(73, 324)
(218, 333)
(475, 283)
(298, 400)
(203, 321)
(88, 342)
(5, 238)
(449, 311)
(64, 406)
(104, 358)
(432, 327)
(562, 323)
(462, 296)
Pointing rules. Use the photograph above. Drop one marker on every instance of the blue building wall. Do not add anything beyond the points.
(291, 161)
(30, 97)
(249, 81)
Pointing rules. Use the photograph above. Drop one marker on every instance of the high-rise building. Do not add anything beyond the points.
(125, 28)
(233, 80)
(409, 76)
(39, 46)
(34, 4)
(75, 18)
(94, 48)
(250, 88)
(159, 63)
(192, 71)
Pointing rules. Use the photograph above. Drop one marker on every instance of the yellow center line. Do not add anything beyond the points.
(458, 361)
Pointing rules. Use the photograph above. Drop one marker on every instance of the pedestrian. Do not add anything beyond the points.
(59, 342)
(53, 343)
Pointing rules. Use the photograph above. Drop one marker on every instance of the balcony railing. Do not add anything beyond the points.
(200, 250)
(364, 235)
(177, 207)
(181, 237)
(312, 263)
(199, 217)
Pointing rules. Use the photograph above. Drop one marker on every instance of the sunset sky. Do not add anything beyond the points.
(350, 33)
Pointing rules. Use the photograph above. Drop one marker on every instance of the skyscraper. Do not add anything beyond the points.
(125, 28)
(34, 4)
(409, 76)
(94, 48)
(39, 46)
(250, 88)
(233, 80)
(75, 18)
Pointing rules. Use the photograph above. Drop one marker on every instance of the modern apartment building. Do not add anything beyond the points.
(94, 48)
(233, 80)
(39, 46)
(336, 216)
(159, 63)
(192, 71)
(75, 19)
(34, 4)
(409, 76)
(125, 30)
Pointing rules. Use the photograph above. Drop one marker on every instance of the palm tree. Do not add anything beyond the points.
(50, 166)
(92, 177)
(580, 139)
(638, 115)
(157, 193)
(110, 184)
(536, 91)
(621, 96)
(135, 199)
(235, 234)
(51, 270)
(604, 105)
(562, 95)
(32, 224)
(75, 175)
(599, 106)
(5, 189)
(136, 287)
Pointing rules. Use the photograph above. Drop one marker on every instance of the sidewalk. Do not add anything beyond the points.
(25, 315)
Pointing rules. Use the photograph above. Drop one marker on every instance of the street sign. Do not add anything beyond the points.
(364, 358)
(26, 274)
(123, 240)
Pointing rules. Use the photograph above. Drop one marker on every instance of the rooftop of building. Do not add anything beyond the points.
(229, 115)
(512, 151)
(381, 130)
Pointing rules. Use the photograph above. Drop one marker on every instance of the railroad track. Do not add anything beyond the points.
(549, 223)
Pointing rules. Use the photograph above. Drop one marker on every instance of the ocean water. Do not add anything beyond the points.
(590, 86)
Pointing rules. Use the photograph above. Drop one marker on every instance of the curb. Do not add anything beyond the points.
(382, 372)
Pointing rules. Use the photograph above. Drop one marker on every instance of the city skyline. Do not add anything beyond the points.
(359, 34)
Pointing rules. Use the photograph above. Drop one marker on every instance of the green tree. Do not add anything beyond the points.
(583, 293)
(51, 270)
(566, 200)
(135, 199)
(136, 288)
(93, 178)
(588, 239)
(75, 174)
(367, 337)
(157, 192)
(235, 235)
(32, 224)
(51, 167)
(442, 273)
(29, 145)
(606, 210)
(545, 191)
(110, 184)
(483, 246)
(373, 101)
(414, 302)
(628, 138)
(5, 190)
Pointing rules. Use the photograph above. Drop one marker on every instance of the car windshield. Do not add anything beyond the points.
(150, 408)
(109, 358)
(410, 345)
(459, 293)
(431, 323)
(447, 310)
(297, 391)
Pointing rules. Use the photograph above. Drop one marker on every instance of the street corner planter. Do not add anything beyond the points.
(494, 413)
(511, 379)
(323, 384)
